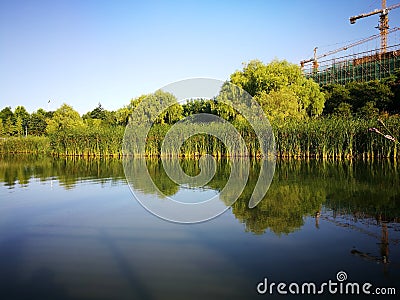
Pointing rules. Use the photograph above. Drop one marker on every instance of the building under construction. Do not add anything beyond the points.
(365, 65)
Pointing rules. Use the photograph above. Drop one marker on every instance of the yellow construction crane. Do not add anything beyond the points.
(383, 21)
(316, 57)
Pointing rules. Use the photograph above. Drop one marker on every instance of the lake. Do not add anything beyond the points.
(72, 229)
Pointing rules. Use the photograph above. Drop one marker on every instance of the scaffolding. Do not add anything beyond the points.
(362, 66)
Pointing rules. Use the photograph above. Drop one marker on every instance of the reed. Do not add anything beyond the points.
(88, 142)
(321, 138)
(334, 137)
(28, 144)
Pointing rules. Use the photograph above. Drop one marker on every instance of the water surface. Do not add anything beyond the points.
(71, 229)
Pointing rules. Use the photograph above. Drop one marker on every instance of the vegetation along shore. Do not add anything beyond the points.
(308, 120)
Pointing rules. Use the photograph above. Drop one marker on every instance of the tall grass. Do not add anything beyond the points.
(29, 144)
(329, 137)
(335, 137)
(88, 141)
(221, 141)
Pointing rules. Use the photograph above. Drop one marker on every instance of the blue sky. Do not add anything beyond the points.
(86, 52)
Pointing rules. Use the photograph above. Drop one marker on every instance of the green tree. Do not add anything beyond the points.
(335, 94)
(99, 113)
(224, 111)
(343, 109)
(110, 118)
(280, 77)
(9, 127)
(135, 102)
(2, 133)
(280, 105)
(122, 116)
(393, 82)
(64, 119)
(197, 106)
(65, 130)
(18, 127)
(153, 110)
(363, 92)
(20, 112)
(37, 122)
(6, 113)
(369, 110)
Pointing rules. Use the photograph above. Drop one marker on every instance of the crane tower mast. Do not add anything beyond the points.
(383, 21)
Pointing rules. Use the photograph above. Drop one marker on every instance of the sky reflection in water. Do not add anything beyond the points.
(71, 229)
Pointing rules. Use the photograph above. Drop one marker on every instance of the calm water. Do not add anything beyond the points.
(71, 229)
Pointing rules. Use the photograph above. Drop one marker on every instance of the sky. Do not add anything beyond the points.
(91, 51)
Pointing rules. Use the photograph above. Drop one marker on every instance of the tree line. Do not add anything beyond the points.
(306, 118)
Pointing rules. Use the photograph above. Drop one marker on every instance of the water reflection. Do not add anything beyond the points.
(317, 217)
(299, 189)
(21, 169)
(383, 229)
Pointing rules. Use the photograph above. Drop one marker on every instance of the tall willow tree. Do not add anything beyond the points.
(281, 89)
(154, 102)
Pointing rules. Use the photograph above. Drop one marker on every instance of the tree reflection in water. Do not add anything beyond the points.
(300, 189)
